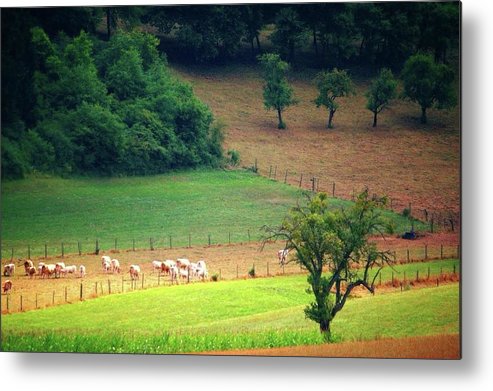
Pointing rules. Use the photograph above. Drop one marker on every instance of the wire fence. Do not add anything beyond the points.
(436, 219)
(72, 290)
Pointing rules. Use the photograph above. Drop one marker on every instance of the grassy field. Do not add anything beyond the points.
(223, 204)
(220, 316)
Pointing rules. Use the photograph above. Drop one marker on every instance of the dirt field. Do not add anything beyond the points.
(401, 158)
(445, 347)
(226, 261)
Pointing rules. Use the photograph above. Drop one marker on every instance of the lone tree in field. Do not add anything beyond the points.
(427, 83)
(332, 85)
(382, 91)
(336, 240)
(278, 94)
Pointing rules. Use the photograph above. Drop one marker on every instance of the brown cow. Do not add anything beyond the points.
(27, 265)
(7, 286)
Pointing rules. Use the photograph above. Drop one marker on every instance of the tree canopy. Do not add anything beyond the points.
(334, 247)
(382, 91)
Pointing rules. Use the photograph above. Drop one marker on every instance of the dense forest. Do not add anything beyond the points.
(88, 90)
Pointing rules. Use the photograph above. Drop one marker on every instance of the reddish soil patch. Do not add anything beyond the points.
(443, 347)
(408, 161)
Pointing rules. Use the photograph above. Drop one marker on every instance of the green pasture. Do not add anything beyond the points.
(226, 315)
(143, 211)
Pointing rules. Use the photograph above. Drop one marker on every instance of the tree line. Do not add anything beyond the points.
(82, 93)
(425, 82)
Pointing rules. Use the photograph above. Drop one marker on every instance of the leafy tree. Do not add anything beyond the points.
(336, 241)
(332, 85)
(289, 33)
(427, 83)
(278, 94)
(254, 21)
(382, 91)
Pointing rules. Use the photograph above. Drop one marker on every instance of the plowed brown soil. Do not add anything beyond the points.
(443, 347)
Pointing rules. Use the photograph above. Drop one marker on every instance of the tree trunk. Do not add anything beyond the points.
(374, 119)
(315, 44)
(253, 49)
(108, 22)
(258, 43)
(325, 330)
(423, 115)
(331, 115)
(281, 124)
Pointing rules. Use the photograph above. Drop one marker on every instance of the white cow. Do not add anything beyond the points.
(59, 266)
(106, 266)
(134, 272)
(31, 272)
(40, 267)
(202, 269)
(282, 255)
(8, 270)
(82, 271)
(69, 270)
(115, 266)
(28, 264)
(157, 265)
(104, 260)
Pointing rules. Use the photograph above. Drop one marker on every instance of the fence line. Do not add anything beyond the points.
(309, 181)
(81, 290)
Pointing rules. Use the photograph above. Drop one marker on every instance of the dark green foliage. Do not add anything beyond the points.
(119, 113)
(234, 157)
(332, 85)
(336, 241)
(427, 83)
(289, 33)
(278, 94)
(382, 91)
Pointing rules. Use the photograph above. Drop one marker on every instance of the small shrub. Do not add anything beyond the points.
(234, 157)
(251, 272)
(406, 212)
(215, 277)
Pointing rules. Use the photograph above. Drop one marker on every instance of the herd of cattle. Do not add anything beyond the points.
(181, 268)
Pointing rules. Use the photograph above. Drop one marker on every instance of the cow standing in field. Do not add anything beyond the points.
(282, 255)
(106, 266)
(8, 270)
(157, 265)
(167, 265)
(31, 272)
(7, 287)
(202, 269)
(48, 270)
(182, 263)
(40, 267)
(69, 270)
(105, 262)
(59, 266)
(134, 272)
(115, 266)
(28, 264)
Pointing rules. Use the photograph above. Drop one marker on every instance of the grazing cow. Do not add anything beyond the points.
(105, 259)
(69, 270)
(182, 263)
(106, 266)
(115, 266)
(282, 255)
(40, 267)
(48, 270)
(28, 264)
(31, 272)
(157, 265)
(173, 273)
(194, 269)
(59, 266)
(134, 272)
(7, 287)
(167, 265)
(8, 270)
(183, 273)
(82, 271)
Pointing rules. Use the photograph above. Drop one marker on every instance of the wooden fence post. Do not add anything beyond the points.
(12, 255)
(81, 291)
(79, 248)
(21, 302)
(63, 250)
(256, 168)
(417, 275)
(301, 178)
(28, 251)
(151, 244)
(133, 244)
(426, 251)
(270, 171)
(46, 251)
(209, 236)
(441, 251)
(333, 189)
(96, 288)
(142, 280)
(236, 270)
(286, 177)
(408, 256)
(109, 287)
(53, 298)
(97, 248)
(275, 172)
